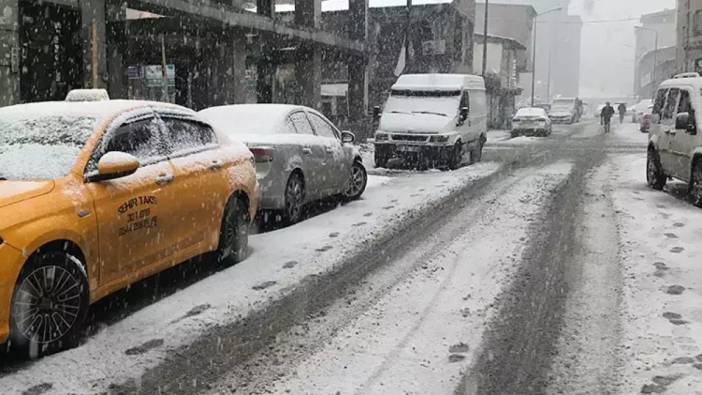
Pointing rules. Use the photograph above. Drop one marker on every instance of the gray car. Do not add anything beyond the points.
(300, 155)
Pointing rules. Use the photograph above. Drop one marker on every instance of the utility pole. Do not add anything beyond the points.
(408, 30)
(485, 37)
(164, 72)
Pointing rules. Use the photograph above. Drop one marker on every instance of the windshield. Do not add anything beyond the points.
(40, 146)
(441, 103)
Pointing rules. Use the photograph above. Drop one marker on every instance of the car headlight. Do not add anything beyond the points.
(439, 138)
(382, 137)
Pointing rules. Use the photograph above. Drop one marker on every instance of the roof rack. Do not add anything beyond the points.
(687, 75)
(82, 95)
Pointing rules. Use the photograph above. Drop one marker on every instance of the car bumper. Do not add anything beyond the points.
(11, 260)
(562, 119)
(535, 131)
(271, 185)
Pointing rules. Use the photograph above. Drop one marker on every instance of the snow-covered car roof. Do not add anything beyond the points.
(439, 82)
(258, 118)
(531, 112)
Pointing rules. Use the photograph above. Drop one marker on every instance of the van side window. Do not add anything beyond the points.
(685, 103)
(671, 103)
(660, 102)
(465, 100)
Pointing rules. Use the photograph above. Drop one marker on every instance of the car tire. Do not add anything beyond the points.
(455, 157)
(294, 198)
(695, 191)
(655, 177)
(357, 182)
(476, 154)
(47, 314)
(234, 234)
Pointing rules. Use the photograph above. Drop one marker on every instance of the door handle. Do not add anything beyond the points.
(164, 179)
(215, 165)
(307, 150)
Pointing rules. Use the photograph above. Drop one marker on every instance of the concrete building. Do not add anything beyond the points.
(213, 49)
(656, 29)
(558, 55)
(501, 76)
(689, 34)
(514, 21)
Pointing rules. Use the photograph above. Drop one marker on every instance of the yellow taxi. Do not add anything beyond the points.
(97, 195)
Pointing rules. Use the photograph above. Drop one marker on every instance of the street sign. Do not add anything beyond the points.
(153, 75)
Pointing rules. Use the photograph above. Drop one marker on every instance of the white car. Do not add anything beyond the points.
(300, 155)
(675, 142)
(531, 121)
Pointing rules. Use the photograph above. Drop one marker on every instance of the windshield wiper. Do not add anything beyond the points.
(430, 112)
(398, 112)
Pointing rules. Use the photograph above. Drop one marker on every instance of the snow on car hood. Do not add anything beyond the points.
(17, 191)
(414, 123)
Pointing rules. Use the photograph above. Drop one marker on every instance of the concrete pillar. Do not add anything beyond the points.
(308, 13)
(308, 73)
(93, 34)
(357, 70)
(117, 51)
(9, 52)
(234, 68)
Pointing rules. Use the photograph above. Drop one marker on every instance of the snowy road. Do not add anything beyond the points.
(550, 268)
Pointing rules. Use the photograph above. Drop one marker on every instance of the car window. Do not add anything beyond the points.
(141, 138)
(290, 126)
(302, 125)
(660, 101)
(187, 135)
(685, 104)
(321, 126)
(671, 103)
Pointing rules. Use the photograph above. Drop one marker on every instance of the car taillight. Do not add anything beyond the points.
(262, 154)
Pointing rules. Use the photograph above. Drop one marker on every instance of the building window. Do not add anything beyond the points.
(697, 25)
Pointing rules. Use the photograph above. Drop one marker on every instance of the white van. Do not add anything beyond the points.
(675, 141)
(433, 120)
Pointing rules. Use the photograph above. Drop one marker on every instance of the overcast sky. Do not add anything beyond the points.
(607, 57)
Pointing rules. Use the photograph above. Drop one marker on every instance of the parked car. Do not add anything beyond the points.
(300, 155)
(95, 196)
(641, 108)
(563, 110)
(645, 119)
(433, 120)
(531, 121)
(675, 142)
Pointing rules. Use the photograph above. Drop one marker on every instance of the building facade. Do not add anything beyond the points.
(689, 32)
(655, 37)
(501, 76)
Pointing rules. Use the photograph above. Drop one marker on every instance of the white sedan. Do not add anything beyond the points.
(531, 121)
(300, 155)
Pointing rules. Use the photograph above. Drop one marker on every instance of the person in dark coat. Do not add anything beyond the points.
(606, 116)
(622, 112)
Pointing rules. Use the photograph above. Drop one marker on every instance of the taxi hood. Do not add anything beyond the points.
(415, 123)
(17, 191)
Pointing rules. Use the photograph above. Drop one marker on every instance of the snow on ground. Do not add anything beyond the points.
(426, 331)
(660, 235)
(629, 133)
(279, 260)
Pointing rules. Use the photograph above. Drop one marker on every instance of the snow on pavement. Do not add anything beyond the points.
(661, 251)
(279, 261)
(426, 331)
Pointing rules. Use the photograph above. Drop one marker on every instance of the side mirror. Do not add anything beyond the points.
(115, 165)
(376, 113)
(464, 113)
(683, 121)
(347, 137)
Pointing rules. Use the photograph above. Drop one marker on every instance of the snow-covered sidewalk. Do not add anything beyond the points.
(661, 256)
(280, 262)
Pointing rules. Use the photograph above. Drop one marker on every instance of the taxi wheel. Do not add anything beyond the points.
(49, 304)
(294, 198)
(357, 182)
(234, 236)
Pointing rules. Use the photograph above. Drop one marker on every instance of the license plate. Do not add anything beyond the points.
(408, 148)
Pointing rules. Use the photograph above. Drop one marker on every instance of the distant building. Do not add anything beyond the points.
(661, 26)
(558, 47)
(501, 77)
(689, 32)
